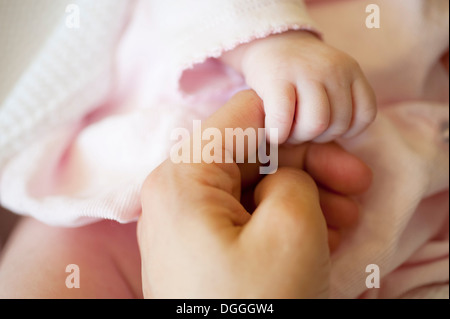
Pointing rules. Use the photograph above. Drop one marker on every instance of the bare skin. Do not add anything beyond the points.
(208, 245)
(311, 91)
(34, 263)
(107, 253)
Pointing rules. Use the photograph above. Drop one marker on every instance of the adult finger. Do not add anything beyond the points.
(288, 226)
(337, 169)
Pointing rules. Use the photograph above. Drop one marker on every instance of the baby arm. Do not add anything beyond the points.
(311, 91)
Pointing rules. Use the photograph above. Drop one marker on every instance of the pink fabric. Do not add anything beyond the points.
(404, 224)
(92, 166)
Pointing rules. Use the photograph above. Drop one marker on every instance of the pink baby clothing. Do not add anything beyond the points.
(92, 116)
(403, 227)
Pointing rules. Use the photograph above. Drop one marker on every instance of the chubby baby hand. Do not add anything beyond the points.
(311, 91)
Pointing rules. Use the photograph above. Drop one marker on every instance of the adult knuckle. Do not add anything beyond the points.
(296, 177)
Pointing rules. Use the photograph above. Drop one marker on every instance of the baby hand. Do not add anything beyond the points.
(311, 91)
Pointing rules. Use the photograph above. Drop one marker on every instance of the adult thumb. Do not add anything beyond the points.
(289, 229)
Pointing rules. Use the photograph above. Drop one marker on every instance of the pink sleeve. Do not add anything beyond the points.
(212, 27)
(95, 138)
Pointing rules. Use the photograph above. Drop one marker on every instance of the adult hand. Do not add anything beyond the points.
(198, 241)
